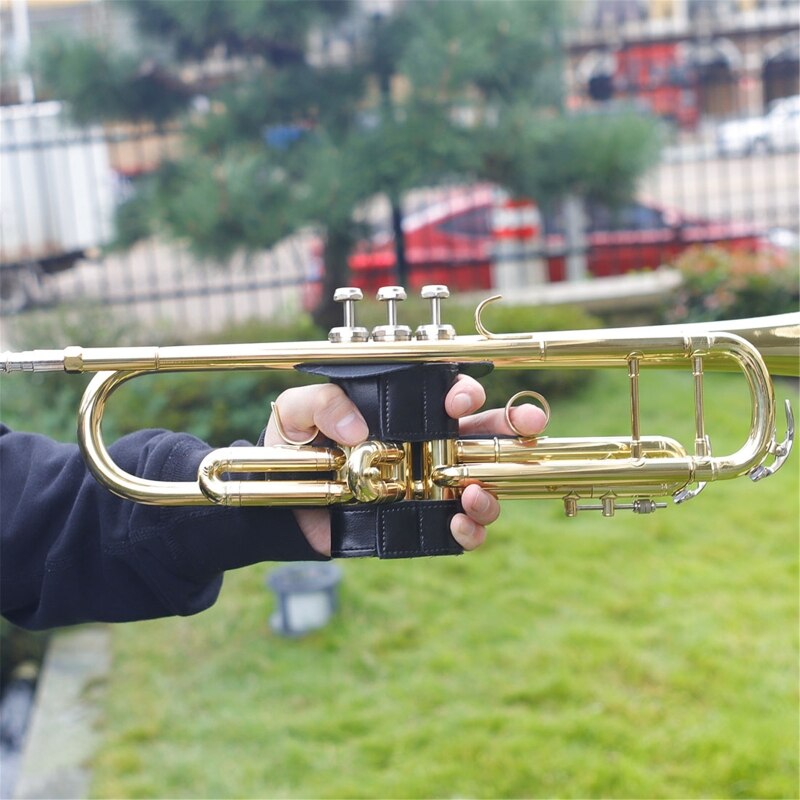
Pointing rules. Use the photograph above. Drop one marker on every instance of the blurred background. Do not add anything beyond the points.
(191, 167)
(176, 171)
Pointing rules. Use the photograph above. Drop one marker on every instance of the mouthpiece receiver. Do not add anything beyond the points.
(33, 361)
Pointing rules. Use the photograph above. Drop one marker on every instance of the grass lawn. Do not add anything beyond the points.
(650, 656)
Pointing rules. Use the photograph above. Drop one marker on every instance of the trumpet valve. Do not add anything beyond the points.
(436, 330)
(391, 332)
(348, 296)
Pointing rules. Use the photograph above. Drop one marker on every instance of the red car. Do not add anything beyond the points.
(457, 240)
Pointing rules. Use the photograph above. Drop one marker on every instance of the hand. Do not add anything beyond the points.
(328, 408)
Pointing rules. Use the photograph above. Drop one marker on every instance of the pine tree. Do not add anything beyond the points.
(468, 90)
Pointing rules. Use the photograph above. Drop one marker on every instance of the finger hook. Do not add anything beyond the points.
(536, 396)
(282, 433)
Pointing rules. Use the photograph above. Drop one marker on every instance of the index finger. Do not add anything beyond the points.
(324, 406)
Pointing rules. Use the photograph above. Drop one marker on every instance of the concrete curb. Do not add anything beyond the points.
(63, 733)
(615, 293)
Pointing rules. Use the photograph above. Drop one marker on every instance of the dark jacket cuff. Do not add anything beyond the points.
(184, 550)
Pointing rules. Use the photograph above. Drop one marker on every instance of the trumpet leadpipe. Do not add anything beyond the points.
(777, 339)
(33, 361)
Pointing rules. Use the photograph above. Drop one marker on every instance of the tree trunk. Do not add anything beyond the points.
(400, 264)
(338, 244)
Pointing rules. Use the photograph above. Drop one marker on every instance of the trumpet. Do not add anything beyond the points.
(635, 472)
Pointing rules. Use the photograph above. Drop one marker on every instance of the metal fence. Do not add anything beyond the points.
(728, 176)
(60, 185)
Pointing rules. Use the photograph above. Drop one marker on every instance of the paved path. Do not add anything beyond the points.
(64, 730)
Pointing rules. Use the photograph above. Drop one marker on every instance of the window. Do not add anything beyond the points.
(634, 217)
(476, 223)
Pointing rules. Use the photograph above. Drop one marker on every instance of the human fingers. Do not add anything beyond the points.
(468, 533)
(323, 406)
(528, 419)
(465, 396)
(480, 509)
(480, 505)
(302, 410)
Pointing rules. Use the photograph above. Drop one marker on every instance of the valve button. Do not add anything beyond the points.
(348, 296)
(344, 293)
(391, 332)
(435, 330)
(391, 293)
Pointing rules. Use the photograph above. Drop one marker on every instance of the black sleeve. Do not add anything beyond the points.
(70, 551)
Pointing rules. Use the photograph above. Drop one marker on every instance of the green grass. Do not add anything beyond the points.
(635, 657)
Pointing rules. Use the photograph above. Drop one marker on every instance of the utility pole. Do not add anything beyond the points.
(22, 46)
(387, 108)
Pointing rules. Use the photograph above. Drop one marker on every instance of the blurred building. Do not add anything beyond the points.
(686, 60)
(29, 23)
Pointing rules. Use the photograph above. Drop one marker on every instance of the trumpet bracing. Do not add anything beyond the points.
(635, 472)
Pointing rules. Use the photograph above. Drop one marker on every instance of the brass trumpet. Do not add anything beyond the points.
(632, 472)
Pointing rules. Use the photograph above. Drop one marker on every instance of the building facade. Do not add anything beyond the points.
(685, 60)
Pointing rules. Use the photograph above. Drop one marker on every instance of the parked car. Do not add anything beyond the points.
(455, 242)
(777, 130)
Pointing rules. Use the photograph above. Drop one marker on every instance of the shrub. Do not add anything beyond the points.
(48, 402)
(721, 284)
(219, 407)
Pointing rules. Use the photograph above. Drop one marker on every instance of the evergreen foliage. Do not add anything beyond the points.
(101, 85)
(290, 136)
